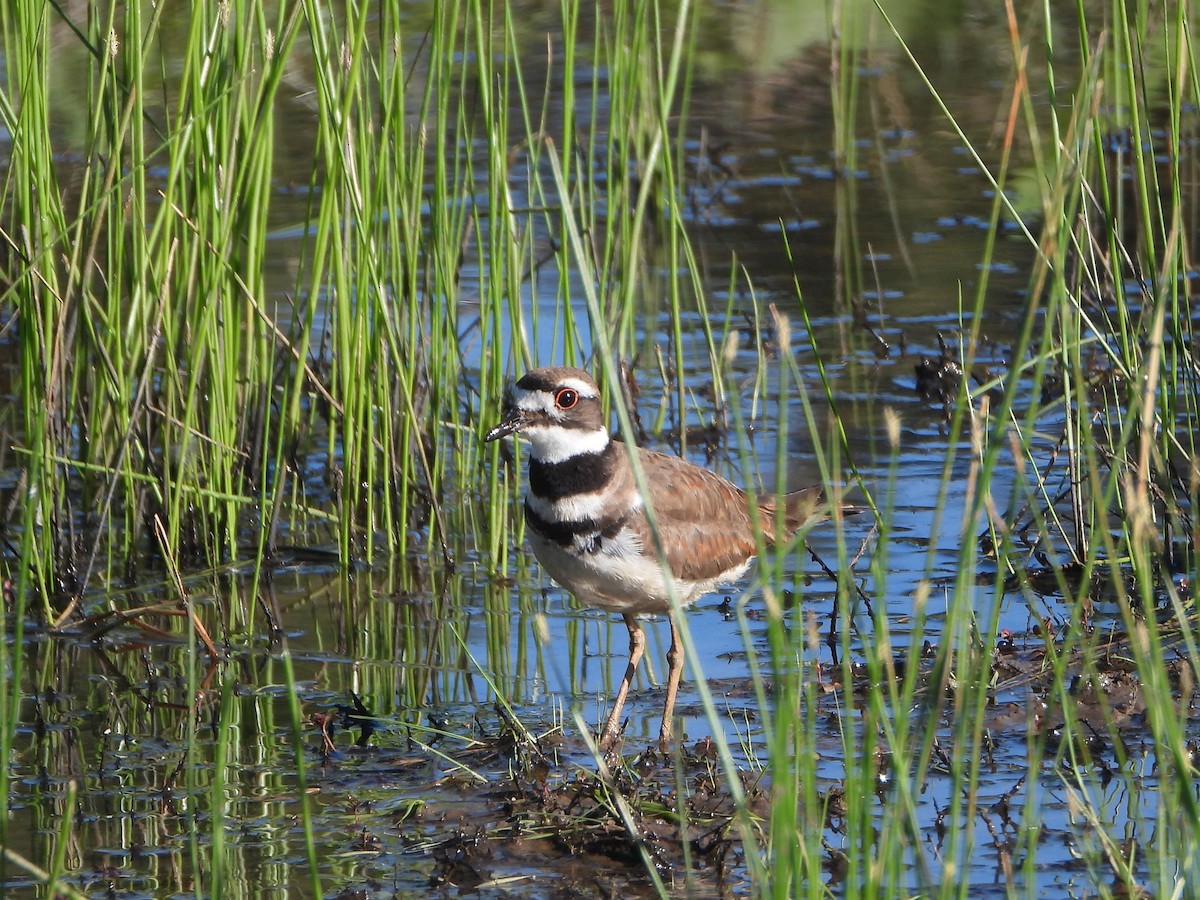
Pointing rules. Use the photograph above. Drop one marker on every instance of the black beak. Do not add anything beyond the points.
(513, 422)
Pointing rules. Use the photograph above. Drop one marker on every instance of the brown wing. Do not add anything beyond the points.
(703, 519)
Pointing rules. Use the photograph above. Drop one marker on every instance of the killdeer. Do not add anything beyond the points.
(588, 527)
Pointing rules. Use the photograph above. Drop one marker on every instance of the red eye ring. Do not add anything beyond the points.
(566, 398)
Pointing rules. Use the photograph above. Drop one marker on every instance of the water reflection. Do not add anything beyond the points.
(887, 227)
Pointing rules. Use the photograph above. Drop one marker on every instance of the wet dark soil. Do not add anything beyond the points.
(541, 814)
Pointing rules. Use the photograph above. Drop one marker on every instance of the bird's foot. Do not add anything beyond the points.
(611, 739)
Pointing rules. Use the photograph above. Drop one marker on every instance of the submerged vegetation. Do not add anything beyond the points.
(264, 272)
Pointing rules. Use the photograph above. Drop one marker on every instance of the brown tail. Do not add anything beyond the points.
(799, 507)
(806, 506)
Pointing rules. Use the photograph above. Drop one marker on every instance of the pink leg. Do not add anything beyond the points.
(674, 671)
(637, 646)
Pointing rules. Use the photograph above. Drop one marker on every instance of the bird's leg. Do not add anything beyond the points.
(674, 671)
(637, 645)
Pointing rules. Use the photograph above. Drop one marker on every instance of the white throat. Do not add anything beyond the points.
(556, 444)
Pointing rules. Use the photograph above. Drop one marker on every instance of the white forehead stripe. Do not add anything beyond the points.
(555, 444)
(579, 386)
(533, 401)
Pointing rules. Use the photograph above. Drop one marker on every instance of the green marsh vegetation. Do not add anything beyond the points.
(193, 424)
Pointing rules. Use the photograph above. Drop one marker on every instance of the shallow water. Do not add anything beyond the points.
(109, 716)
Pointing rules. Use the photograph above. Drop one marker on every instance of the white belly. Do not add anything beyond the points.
(618, 577)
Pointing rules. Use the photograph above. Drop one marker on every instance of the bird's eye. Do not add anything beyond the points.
(566, 398)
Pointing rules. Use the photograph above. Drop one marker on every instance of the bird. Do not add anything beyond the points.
(587, 522)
